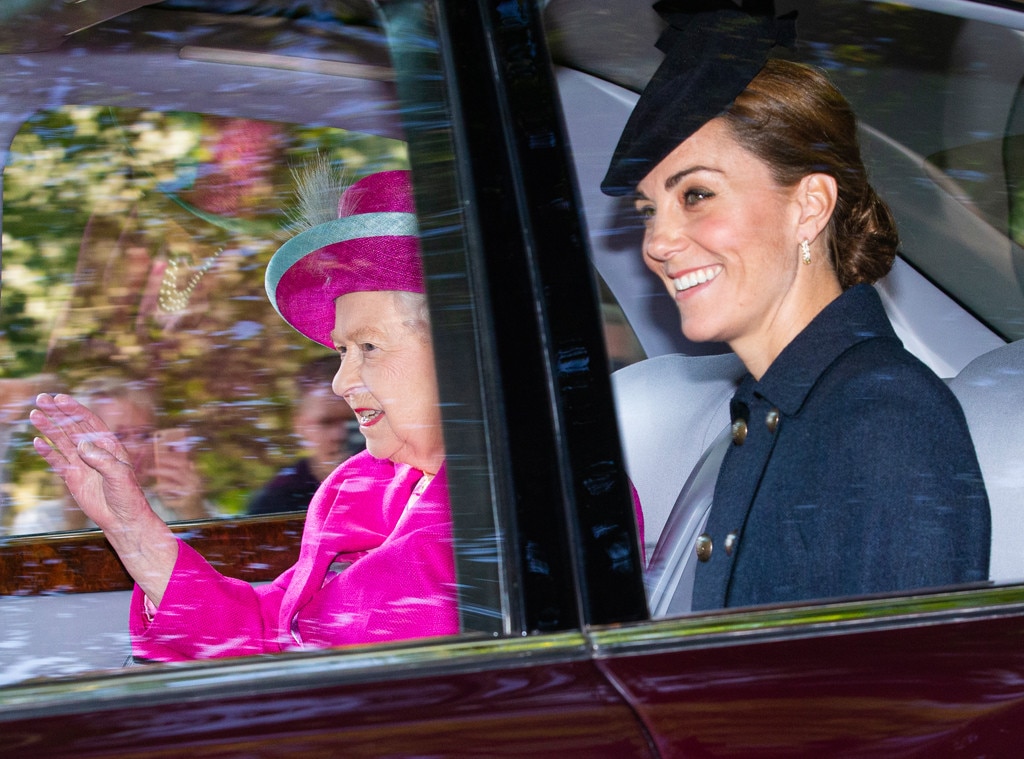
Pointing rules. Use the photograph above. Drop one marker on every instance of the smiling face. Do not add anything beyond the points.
(133, 424)
(724, 238)
(387, 377)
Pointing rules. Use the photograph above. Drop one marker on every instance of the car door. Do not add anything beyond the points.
(519, 679)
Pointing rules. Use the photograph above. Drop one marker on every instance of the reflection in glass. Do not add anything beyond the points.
(135, 244)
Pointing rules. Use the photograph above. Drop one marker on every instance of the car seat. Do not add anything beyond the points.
(671, 410)
(991, 391)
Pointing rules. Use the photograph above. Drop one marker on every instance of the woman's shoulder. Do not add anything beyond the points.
(880, 378)
(885, 362)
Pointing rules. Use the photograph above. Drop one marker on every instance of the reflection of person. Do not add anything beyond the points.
(321, 422)
(16, 396)
(376, 559)
(852, 470)
(160, 459)
(621, 343)
(163, 466)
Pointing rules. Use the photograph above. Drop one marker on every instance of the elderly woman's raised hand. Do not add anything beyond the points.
(94, 466)
(89, 458)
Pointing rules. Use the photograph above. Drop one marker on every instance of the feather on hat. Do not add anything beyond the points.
(371, 245)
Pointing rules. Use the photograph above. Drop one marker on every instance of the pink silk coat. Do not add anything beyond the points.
(369, 570)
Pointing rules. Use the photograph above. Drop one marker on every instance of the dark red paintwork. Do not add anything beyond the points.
(554, 710)
(953, 689)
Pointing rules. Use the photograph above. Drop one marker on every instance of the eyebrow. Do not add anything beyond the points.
(679, 176)
(362, 335)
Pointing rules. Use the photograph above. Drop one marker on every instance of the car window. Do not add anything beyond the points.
(139, 213)
(937, 98)
(954, 145)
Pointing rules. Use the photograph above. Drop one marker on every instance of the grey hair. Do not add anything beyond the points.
(414, 306)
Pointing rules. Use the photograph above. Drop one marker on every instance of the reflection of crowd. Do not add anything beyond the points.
(15, 400)
(323, 424)
(159, 457)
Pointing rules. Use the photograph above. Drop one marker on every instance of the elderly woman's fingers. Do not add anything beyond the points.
(90, 460)
(53, 457)
(71, 415)
(57, 439)
(102, 454)
(67, 424)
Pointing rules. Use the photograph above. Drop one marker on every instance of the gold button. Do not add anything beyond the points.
(730, 543)
(772, 420)
(704, 546)
(739, 431)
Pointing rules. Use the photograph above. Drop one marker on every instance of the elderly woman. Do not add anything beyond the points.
(851, 470)
(376, 560)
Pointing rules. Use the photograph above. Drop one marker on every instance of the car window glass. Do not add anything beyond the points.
(938, 101)
(136, 235)
(953, 145)
(135, 244)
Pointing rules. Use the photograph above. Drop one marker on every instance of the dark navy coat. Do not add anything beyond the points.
(851, 471)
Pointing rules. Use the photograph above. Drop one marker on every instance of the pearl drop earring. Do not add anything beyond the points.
(805, 252)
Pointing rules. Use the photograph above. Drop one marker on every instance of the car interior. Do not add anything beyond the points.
(955, 258)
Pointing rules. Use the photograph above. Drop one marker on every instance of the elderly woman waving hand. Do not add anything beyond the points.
(376, 559)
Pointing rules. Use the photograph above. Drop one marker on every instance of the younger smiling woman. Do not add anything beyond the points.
(852, 470)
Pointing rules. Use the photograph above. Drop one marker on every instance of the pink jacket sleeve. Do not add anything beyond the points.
(236, 619)
(371, 567)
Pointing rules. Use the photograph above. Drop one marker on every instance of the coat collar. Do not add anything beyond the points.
(855, 316)
(355, 510)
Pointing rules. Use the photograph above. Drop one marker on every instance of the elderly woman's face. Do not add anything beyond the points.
(721, 235)
(387, 376)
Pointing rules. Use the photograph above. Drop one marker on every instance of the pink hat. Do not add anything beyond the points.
(373, 245)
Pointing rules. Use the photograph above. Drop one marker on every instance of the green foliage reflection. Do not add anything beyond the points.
(134, 244)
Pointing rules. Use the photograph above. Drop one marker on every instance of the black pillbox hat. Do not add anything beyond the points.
(712, 52)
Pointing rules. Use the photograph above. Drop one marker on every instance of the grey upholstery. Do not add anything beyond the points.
(673, 565)
(991, 391)
(670, 409)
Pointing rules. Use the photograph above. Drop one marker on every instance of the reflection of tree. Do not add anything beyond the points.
(890, 61)
(99, 202)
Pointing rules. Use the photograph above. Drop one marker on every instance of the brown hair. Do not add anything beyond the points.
(795, 120)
